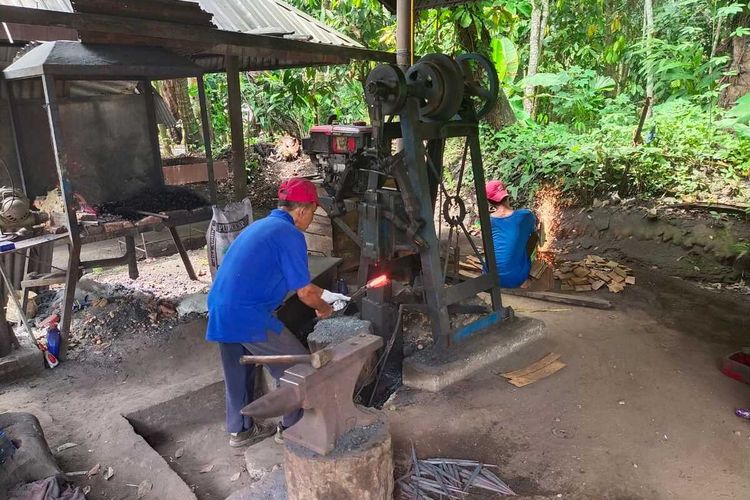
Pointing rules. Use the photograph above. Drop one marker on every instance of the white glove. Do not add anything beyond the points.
(338, 301)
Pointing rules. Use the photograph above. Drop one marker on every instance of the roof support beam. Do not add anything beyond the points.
(207, 37)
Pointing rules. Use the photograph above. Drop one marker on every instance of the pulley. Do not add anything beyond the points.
(386, 86)
(480, 81)
(437, 80)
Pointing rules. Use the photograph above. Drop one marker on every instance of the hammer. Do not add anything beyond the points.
(317, 359)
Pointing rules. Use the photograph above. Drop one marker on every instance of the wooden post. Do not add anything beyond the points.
(235, 123)
(131, 257)
(153, 127)
(66, 189)
(183, 253)
(206, 126)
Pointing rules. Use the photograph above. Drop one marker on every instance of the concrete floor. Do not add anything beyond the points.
(640, 412)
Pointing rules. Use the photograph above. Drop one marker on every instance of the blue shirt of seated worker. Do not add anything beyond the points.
(266, 261)
(510, 235)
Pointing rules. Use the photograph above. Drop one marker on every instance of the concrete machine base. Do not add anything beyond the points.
(430, 370)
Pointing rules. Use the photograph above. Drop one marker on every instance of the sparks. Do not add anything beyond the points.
(547, 208)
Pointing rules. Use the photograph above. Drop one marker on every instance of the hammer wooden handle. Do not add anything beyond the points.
(316, 359)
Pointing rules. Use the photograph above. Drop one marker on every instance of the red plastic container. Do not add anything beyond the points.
(737, 365)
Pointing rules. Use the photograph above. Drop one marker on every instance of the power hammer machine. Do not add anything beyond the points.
(385, 187)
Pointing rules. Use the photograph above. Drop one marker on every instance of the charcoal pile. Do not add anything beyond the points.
(593, 273)
(154, 200)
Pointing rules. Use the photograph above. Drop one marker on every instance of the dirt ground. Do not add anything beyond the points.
(640, 412)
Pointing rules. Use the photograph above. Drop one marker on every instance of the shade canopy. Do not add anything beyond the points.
(71, 60)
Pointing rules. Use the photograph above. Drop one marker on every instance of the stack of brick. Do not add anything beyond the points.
(592, 273)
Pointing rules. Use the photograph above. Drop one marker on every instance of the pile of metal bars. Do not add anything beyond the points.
(439, 478)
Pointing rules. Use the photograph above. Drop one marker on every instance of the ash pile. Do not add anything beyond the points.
(107, 320)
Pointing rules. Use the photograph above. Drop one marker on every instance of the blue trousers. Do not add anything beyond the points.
(239, 380)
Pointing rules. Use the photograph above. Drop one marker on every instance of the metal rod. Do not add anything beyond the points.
(484, 219)
(66, 189)
(404, 33)
(152, 214)
(463, 167)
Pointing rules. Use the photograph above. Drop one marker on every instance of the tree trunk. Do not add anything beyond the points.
(648, 34)
(739, 84)
(177, 98)
(539, 15)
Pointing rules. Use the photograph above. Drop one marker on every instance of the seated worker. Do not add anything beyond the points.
(266, 261)
(513, 234)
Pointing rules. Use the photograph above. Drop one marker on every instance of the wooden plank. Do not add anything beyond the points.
(37, 282)
(537, 365)
(560, 298)
(545, 372)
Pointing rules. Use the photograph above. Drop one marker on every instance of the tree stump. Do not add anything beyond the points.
(360, 467)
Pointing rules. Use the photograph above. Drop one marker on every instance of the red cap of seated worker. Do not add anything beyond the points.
(298, 190)
(496, 191)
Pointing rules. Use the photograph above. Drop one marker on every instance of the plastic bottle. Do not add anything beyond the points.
(342, 287)
(53, 340)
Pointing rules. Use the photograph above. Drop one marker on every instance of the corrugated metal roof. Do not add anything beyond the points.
(59, 5)
(241, 16)
(253, 16)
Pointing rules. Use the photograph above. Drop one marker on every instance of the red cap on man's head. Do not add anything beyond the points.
(496, 191)
(298, 190)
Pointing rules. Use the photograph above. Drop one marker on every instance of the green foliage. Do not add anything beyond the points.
(505, 58)
(738, 118)
(590, 88)
(576, 96)
(217, 97)
(687, 157)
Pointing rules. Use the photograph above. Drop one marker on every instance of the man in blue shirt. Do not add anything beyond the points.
(266, 262)
(513, 234)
